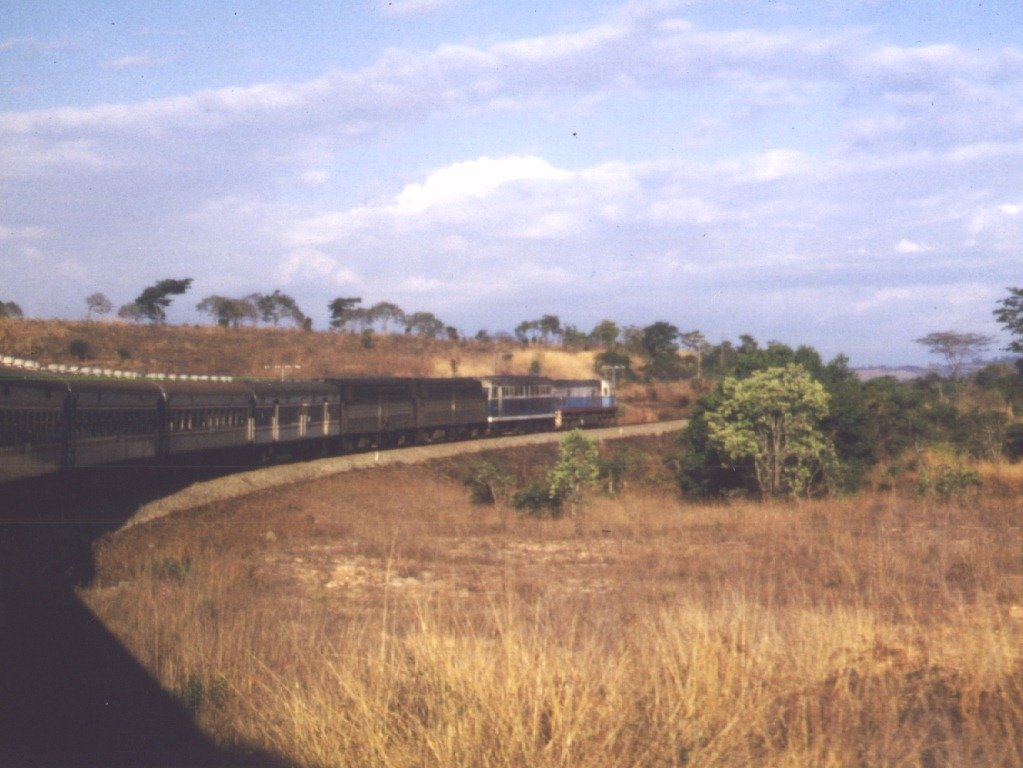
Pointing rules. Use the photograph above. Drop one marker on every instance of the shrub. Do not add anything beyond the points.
(488, 482)
(79, 349)
(535, 500)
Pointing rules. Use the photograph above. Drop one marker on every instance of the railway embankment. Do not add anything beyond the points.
(265, 478)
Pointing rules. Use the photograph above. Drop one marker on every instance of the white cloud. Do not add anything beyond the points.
(908, 246)
(473, 179)
(139, 62)
(413, 7)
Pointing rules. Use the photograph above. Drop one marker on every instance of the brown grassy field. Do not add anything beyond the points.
(381, 619)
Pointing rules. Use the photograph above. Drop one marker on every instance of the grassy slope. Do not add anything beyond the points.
(342, 624)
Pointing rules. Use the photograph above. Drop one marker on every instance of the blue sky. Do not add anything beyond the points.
(841, 174)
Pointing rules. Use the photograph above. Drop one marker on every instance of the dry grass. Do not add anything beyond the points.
(346, 624)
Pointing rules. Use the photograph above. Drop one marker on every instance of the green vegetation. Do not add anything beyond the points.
(774, 419)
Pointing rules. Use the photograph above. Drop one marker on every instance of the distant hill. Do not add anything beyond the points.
(910, 372)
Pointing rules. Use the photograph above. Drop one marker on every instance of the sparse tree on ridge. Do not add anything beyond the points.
(606, 333)
(956, 348)
(277, 306)
(697, 343)
(385, 313)
(660, 343)
(10, 309)
(549, 325)
(424, 324)
(1010, 316)
(229, 312)
(154, 300)
(131, 312)
(343, 311)
(97, 304)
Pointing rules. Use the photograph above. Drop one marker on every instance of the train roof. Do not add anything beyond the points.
(517, 380)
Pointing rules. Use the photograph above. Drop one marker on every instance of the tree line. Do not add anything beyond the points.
(781, 422)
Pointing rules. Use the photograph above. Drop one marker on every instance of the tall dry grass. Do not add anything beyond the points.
(347, 624)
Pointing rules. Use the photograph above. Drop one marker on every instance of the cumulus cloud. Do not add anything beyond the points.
(473, 179)
(700, 197)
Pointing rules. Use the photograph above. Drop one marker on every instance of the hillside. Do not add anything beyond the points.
(298, 354)
(272, 352)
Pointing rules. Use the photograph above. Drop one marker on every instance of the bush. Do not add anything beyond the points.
(535, 500)
(948, 482)
(79, 349)
(488, 482)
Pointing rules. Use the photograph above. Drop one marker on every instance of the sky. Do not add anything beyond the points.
(840, 174)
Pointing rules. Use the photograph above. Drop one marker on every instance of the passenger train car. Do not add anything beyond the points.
(50, 423)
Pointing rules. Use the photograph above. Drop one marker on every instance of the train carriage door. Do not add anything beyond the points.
(275, 424)
(250, 423)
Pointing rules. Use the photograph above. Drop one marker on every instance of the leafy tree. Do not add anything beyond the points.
(955, 347)
(774, 419)
(385, 313)
(576, 470)
(10, 309)
(342, 311)
(154, 300)
(1010, 316)
(424, 324)
(697, 343)
(131, 312)
(660, 345)
(549, 325)
(275, 307)
(573, 338)
(606, 334)
(229, 312)
(489, 483)
(616, 365)
(97, 304)
(705, 471)
(526, 331)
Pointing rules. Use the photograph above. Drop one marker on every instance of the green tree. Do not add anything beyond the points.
(228, 312)
(576, 470)
(385, 313)
(774, 419)
(152, 303)
(606, 333)
(549, 325)
(343, 311)
(1010, 315)
(275, 307)
(424, 324)
(696, 342)
(660, 344)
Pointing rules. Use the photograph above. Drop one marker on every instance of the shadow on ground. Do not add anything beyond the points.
(70, 693)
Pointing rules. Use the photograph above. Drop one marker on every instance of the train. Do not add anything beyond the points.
(53, 422)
